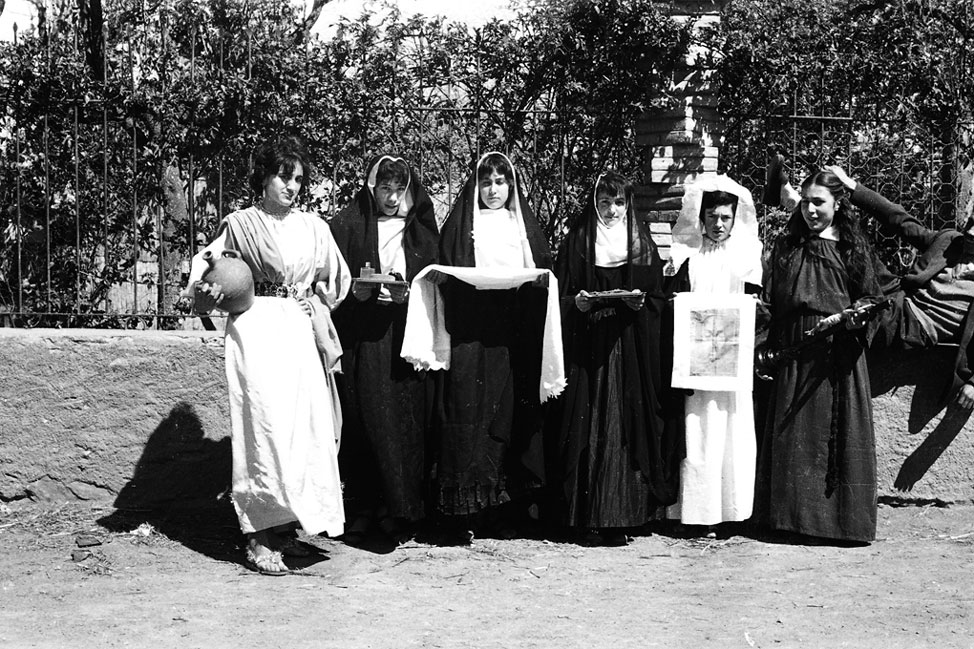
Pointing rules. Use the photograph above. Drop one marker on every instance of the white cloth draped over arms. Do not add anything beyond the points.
(426, 342)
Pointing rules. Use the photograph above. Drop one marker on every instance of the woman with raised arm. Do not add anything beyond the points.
(817, 464)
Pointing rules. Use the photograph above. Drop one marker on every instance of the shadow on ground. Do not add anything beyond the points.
(180, 486)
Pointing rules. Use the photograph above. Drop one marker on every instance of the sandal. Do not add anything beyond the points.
(270, 564)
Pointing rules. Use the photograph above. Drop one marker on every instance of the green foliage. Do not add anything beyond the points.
(882, 87)
(197, 84)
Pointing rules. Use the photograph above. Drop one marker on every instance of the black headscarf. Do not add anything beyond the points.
(356, 227)
(576, 265)
(456, 240)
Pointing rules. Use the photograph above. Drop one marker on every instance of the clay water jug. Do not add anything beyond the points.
(233, 274)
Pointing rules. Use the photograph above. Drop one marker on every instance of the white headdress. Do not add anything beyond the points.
(744, 245)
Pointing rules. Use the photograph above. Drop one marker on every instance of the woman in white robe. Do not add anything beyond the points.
(716, 250)
(280, 356)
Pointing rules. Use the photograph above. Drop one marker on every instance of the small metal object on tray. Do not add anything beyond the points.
(367, 275)
(615, 293)
(380, 279)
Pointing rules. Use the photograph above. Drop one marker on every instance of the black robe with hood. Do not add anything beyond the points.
(386, 404)
(488, 411)
(616, 438)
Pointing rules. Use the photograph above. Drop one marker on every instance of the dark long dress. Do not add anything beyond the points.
(387, 404)
(817, 463)
(488, 445)
(618, 440)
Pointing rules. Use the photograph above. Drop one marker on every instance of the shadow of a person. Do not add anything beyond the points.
(922, 458)
(181, 487)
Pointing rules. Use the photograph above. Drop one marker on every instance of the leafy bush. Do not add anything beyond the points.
(190, 91)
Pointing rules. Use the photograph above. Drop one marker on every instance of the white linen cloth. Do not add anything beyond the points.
(426, 342)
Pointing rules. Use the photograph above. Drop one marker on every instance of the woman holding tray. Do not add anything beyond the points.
(488, 445)
(389, 228)
(614, 446)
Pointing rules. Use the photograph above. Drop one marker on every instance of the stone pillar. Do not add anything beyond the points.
(681, 142)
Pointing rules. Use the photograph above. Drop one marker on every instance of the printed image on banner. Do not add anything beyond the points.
(713, 341)
(716, 340)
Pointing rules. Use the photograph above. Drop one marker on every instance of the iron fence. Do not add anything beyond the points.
(903, 160)
(99, 229)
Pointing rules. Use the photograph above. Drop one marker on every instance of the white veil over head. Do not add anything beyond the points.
(743, 246)
(513, 205)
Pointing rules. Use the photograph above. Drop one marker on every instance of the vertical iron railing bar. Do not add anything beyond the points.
(77, 186)
(395, 106)
(219, 161)
(104, 159)
(190, 171)
(47, 173)
(420, 117)
(17, 197)
(931, 184)
(450, 135)
(794, 130)
(161, 280)
(562, 154)
(534, 160)
(135, 184)
(478, 80)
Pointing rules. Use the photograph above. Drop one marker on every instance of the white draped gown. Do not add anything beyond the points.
(717, 475)
(285, 417)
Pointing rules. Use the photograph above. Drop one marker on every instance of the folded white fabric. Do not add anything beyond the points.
(426, 342)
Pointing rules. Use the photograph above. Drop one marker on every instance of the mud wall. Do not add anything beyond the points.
(139, 419)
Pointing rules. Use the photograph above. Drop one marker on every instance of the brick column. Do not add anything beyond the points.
(684, 141)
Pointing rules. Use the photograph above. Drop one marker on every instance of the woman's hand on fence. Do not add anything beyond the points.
(306, 306)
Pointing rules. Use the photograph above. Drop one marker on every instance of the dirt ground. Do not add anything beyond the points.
(177, 581)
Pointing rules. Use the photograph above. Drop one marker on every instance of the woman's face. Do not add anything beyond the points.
(388, 196)
(612, 209)
(281, 189)
(494, 191)
(818, 209)
(718, 221)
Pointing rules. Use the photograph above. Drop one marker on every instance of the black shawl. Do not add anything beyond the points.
(651, 410)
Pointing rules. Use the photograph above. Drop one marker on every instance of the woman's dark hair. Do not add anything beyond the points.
(498, 163)
(710, 200)
(392, 171)
(276, 156)
(856, 250)
(613, 183)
